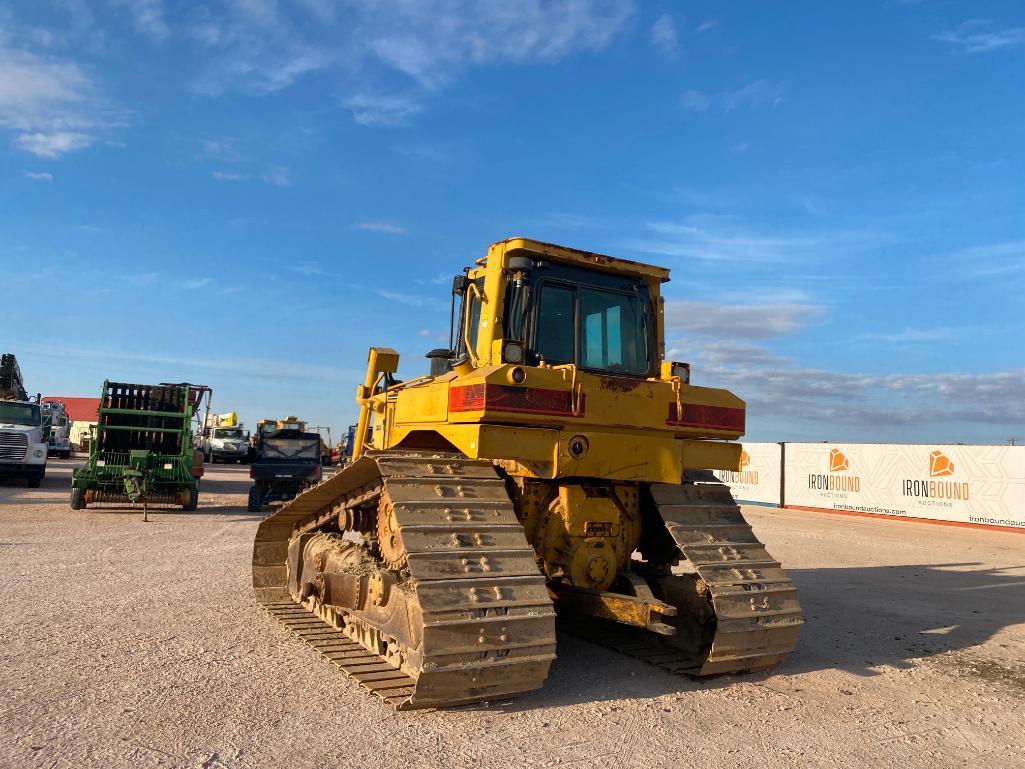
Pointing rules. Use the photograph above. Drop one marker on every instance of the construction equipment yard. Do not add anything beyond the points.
(132, 644)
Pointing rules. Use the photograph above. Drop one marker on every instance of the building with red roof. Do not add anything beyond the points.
(82, 412)
(77, 409)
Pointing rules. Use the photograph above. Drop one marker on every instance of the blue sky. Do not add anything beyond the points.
(248, 193)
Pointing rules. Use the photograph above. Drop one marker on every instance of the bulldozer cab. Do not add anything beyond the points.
(536, 304)
(557, 314)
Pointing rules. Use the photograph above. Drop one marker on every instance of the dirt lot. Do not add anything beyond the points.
(131, 644)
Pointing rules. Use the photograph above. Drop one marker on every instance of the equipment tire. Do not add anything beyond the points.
(254, 500)
(78, 499)
(33, 481)
(193, 502)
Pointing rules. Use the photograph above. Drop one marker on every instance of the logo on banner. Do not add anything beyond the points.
(745, 477)
(839, 477)
(838, 461)
(940, 466)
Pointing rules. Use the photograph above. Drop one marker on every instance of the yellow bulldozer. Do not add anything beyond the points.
(551, 463)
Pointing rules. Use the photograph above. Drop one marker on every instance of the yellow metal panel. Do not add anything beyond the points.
(428, 403)
(481, 441)
(711, 455)
(622, 456)
(383, 360)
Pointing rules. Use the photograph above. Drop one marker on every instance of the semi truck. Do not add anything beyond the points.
(23, 448)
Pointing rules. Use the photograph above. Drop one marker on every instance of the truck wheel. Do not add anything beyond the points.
(34, 481)
(78, 499)
(255, 503)
(193, 502)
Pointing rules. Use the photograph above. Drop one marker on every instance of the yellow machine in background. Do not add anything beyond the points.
(551, 460)
(227, 420)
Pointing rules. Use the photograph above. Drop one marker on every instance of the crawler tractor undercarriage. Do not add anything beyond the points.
(412, 573)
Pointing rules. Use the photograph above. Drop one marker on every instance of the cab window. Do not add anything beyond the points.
(555, 324)
(612, 332)
(596, 328)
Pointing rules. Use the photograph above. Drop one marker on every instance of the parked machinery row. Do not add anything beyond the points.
(551, 462)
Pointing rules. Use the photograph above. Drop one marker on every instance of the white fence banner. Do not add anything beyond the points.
(981, 485)
(759, 476)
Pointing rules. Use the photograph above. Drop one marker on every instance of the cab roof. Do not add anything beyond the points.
(580, 258)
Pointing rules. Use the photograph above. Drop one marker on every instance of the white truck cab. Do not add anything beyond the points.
(56, 418)
(226, 444)
(23, 447)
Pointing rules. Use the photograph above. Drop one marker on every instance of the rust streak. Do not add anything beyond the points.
(618, 384)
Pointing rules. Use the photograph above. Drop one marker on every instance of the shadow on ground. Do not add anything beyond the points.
(857, 620)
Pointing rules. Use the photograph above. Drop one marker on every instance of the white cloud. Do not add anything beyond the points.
(695, 100)
(308, 269)
(719, 239)
(244, 369)
(412, 300)
(885, 405)
(376, 109)
(50, 104)
(980, 36)
(429, 41)
(664, 36)
(759, 93)
(198, 283)
(756, 94)
(148, 17)
(916, 335)
(707, 25)
(52, 145)
(991, 260)
(747, 321)
(225, 149)
(279, 176)
(38, 176)
(392, 229)
(263, 45)
(230, 176)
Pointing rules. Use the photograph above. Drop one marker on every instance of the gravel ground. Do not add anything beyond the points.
(131, 644)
